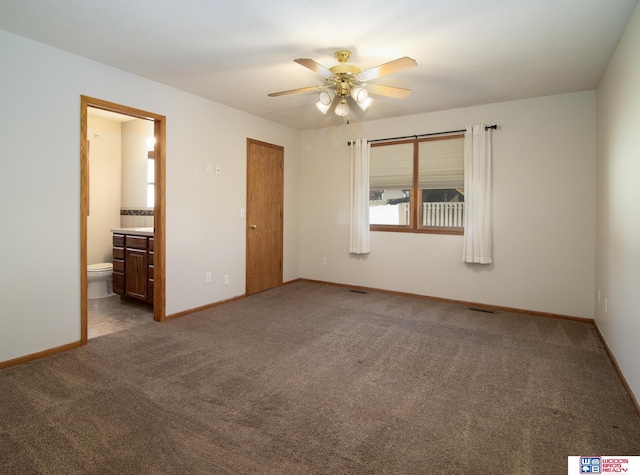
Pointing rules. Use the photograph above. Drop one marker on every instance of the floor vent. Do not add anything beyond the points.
(479, 309)
(359, 291)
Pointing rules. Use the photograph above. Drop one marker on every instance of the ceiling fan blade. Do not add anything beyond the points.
(396, 92)
(294, 91)
(315, 67)
(391, 67)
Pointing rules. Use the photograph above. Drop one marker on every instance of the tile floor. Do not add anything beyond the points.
(110, 315)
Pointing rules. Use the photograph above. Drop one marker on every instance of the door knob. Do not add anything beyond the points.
(253, 226)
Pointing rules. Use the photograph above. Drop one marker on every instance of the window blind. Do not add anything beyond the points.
(391, 167)
(441, 164)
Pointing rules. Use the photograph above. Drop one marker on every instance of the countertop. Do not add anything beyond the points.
(134, 231)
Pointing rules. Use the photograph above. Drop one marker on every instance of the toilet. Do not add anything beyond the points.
(100, 280)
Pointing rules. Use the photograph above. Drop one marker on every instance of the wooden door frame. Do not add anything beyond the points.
(247, 230)
(160, 127)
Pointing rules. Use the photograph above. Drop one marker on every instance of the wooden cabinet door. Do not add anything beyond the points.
(136, 273)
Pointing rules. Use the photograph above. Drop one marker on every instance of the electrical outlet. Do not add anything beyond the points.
(324, 261)
(217, 169)
(207, 278)
(226, 279)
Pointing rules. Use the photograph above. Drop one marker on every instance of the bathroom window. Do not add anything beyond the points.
(151, 186)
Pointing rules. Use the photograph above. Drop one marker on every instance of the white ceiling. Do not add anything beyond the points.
(235, 52)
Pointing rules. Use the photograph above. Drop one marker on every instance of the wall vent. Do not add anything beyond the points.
(480, 309)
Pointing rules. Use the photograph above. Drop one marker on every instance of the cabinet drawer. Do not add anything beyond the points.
(136, 242)
(118, 240)
(118, 253)
(118, 265)
(151, 244)
(150, 292)
(118, 283)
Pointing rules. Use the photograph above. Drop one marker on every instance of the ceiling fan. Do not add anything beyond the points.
(347, 81)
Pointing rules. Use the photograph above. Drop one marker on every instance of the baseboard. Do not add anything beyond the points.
(40, 354)
(462, 302)
(632, 396)
(203, 307)
(634, 400)
(289, 282)
(69, 346)
(614, 362)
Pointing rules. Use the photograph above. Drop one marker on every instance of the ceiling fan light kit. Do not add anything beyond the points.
(323, 107)
(342, 109)
(327, 97)
(346, 81)
(359, 94)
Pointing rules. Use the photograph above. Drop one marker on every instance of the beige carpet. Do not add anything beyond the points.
(310, 378)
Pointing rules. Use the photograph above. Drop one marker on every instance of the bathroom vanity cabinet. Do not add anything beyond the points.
(133, 266)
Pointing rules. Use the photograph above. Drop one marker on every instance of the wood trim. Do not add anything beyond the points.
(40, 354)
(294, 281)
(159, 220)
(405, 229)
(160, 127)
(221, 302)
(204, 307)
(614, 362)
(391, 142)
(121, 109)
(84, 213)
(415, 200)
(634, 400)
(462, 302)
(414, 197)
(632, 397)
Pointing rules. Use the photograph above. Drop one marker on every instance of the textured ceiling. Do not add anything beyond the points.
(236, 52)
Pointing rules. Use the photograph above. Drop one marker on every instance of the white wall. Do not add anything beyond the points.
(544, 182)
(618, 195)
(40, 89)
(104, 187)
(134, 162)
(544, 219)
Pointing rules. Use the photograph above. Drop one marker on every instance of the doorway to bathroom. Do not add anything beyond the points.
(98, 119)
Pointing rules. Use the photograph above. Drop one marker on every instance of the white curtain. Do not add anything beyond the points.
(359, 239)
(477, 245)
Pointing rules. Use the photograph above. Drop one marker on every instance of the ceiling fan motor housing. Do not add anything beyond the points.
(343, 85)
(346, 75)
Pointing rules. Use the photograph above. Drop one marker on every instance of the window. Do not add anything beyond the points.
(417, 185)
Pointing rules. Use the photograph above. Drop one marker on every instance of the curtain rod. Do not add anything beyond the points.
(487, 127)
